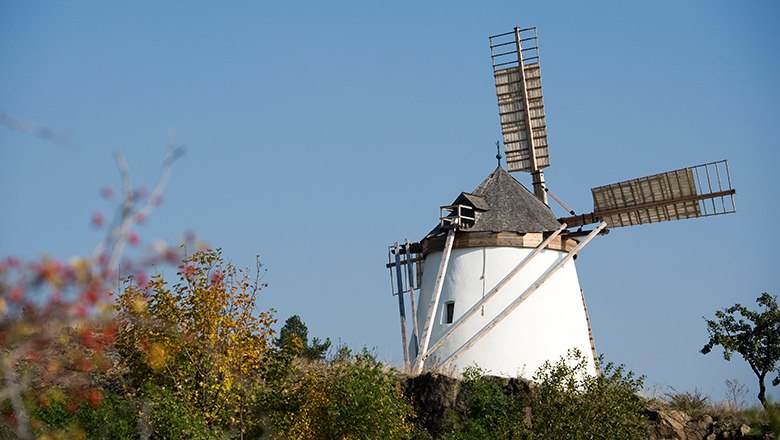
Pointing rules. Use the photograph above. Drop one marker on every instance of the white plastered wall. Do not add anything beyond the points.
(551, 321)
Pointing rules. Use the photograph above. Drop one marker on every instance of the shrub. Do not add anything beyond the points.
(565, 403)
(350, 397)
(695, 403)
(571, 404)
(170, 417)
(492, 411)
(99, 414)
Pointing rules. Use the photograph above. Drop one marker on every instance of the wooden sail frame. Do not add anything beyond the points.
(518, 81)
(698, 191)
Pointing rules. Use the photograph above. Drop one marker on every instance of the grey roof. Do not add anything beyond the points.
(474, 200)
(512, 208)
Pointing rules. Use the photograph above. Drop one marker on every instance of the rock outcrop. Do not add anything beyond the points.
(678, 425)
(434, 396)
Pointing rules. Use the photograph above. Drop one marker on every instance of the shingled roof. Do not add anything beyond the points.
(512, 208)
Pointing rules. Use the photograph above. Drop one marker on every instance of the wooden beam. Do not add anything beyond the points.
(426, 335)
(590, 335)
(593, 217)
(410, 276)
(469, 239)
(406, 261)
(401, 308)
(526, 112)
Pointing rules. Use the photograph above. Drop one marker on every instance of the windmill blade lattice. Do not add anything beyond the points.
(517, 74)
(697, 191)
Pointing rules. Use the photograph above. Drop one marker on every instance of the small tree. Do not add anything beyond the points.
(753, 334)
(294, 327)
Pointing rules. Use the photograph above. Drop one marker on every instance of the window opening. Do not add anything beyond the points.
(449, 312)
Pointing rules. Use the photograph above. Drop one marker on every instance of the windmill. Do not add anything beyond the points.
(494, 282)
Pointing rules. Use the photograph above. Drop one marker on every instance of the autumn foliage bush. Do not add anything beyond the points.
(58, 329)
(202, 339)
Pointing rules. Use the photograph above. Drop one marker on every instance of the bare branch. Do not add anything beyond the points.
(107, 253)
(28, 127)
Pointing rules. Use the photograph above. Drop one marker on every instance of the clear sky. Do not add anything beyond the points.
(318, 133)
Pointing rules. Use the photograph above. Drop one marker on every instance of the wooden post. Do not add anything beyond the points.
(426, 336)
(410, 276)
(475, 308)
(401, 308)
(536, 172)
(538, 182)
(525, 295)
(590, 335)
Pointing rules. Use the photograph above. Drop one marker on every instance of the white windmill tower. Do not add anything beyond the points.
(494, 283)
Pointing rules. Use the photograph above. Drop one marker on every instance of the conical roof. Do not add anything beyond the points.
(511, 207)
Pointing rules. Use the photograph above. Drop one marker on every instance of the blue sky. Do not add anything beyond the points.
(318, 133)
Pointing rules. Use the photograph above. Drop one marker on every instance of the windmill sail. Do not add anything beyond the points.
(518, 80)
(698, 191)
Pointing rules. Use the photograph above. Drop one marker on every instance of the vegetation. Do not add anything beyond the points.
(202, 339)
(694, 403)
(764, 423)
(565, 403)
(57, 332)
(573, 404)
(167, 416)
(352, 396)
(110, 417)
(753, 334)
(492, 411)
(295, 328)
(198, 360)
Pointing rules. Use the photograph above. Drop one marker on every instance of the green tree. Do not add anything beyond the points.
(753, 334)
(294, 327)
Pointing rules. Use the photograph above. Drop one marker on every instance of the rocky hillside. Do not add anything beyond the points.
(443, 404)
